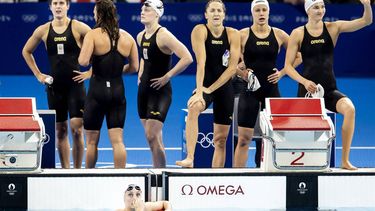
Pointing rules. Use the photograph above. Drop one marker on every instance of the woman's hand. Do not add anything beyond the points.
(82, 76)
(197, 97)
(274, 77)
(157, 83)
(309, 86)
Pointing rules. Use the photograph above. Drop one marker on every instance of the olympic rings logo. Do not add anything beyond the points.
(277, 18)
(206, 140)
(29, 18)
(195, 17)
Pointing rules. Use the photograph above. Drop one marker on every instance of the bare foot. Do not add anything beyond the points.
(348, 166)
(186, 163)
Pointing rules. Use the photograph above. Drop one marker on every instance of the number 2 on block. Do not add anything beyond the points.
(295, 161)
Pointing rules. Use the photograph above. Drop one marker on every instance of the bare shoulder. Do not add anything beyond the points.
(79, 25)
(41, 30)
(298, 32)
(280, 34)
(128, 37)
(231, 30)
(278, 31)
(140, 33)
(43, 27)
(94, 32)
(124, 33)
(139, 37)
(200, 28)
(245, 31)
(233, 33)
(165, 32)
(299, 29)
(296, 36)
(331, 25)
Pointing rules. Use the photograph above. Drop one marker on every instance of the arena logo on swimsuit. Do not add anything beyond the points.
(212, 190)
(155, 113)
(59, 39)
(217, 42)
(263, 43)
(146, 44)
(317, 41)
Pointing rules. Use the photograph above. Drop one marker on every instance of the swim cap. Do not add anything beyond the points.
(259, 2)
(157, 5)
(310, 3)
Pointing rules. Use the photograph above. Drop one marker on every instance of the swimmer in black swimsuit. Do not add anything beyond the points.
(108, 46)
(260, 45)
(316, 41)
(157, 45)
(217, 51)
(63, 38)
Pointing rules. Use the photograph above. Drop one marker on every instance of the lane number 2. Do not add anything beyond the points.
(295, 161)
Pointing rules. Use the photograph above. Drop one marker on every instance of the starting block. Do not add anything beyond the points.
(297, 134)
(22, 135)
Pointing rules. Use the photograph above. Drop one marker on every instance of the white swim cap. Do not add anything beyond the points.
(310, 3)
(157, 5)
(259, 2)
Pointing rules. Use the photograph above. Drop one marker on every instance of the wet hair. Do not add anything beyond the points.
(220, 1)
(106, 14)
(50, 2)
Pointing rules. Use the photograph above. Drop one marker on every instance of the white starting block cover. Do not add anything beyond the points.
(22, 135)
(297, 134)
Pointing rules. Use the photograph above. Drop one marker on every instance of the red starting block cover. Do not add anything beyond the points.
(18, 123)
(16, 106)
(299, 123)
(295, 106)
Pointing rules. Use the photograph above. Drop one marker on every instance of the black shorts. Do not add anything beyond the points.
(103, 101)
(330, 97)
(248, 105)
(64, 100)
(152, 103)
(223, 100)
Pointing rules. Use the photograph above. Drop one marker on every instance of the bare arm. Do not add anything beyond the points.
(140, 72)
(167, 40)
(171, 42)
(141, 63)
(29, 48)
(354, 25)
(235, 51)
(82, 76)
(158, 205)
(241, 67)
(291, 54)
(82, 29)
(283, 38)
(87, 49)
(198, 37)
(133, 55)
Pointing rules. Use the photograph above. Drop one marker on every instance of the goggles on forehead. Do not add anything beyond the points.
(132, 186)
(149, 4)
